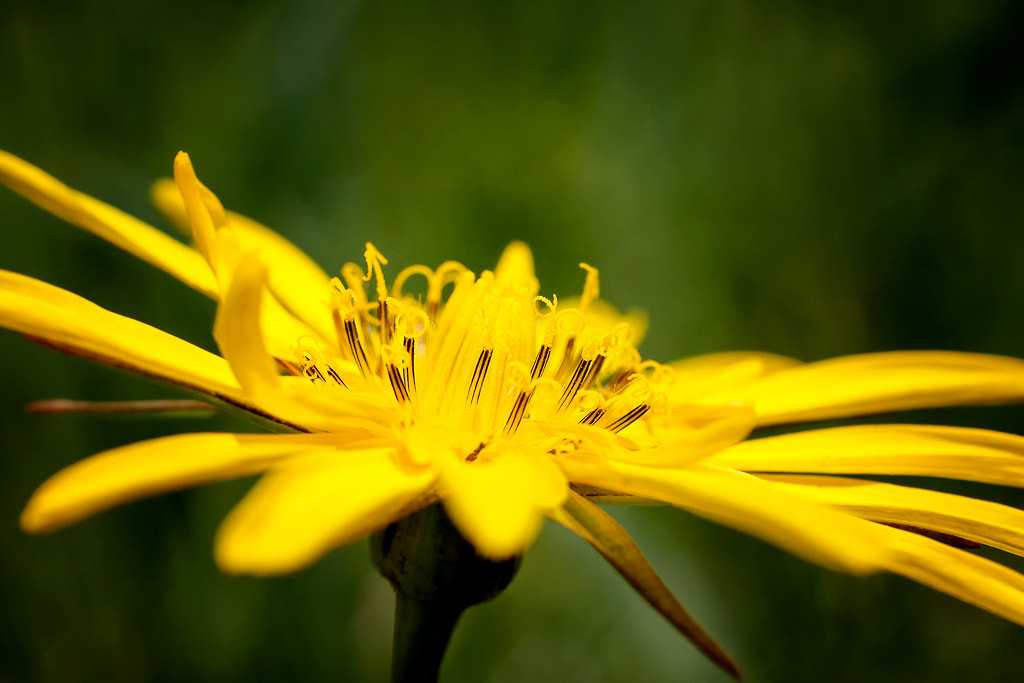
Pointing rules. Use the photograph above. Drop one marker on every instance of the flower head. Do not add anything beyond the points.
(508, 405)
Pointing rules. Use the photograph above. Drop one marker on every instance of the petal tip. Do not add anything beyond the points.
(36, 520)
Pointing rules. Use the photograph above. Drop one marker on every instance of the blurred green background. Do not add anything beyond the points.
(806, 178)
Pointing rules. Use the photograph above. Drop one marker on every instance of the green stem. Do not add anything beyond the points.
(422, 631)
(437, 575)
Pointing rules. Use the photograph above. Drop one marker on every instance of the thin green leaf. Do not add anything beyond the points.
(597, 528)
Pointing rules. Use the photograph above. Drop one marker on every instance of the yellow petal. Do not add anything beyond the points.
(239, 334)
(218, 241)
(79, 326)
(113, 225)
(296, 514)
(167, 199)
(951, 452)
(498, 505)
(295, 280)
(515, 266)
(968, 577)
(597, 528)
(200, 217)
(879, 382)
(143, 469)
(744, 502)
(718, 372)
(999, 526)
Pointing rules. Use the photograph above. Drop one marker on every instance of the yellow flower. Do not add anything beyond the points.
(509, 406)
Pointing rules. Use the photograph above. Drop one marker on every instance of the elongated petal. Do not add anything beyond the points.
(967, 577)
(597, 528)
(950, 452)
(718, 372)
(201, 218)
(218, 241)
(239, 334)
(498, 505)
(80, 326)
(296, 514)
(149, 467)
(113, 225)
(879, 382)
(295, 280)
(744, 502)
(999, 526)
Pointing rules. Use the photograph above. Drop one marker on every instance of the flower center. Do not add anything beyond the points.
(480, 365)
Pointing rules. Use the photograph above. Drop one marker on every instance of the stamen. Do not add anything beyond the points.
(541, 361)
(518, 412)
(629, 418)
(479, 372)
(333, 374)
(312, 364)
(569, 322)
(621, 379)
(313, 374)
(410, 325)
(593, 416)
(397, 383)
(575, 384)
(567, 357)
(355, 347)
(592, 374)
(354, 279)
(409, 371)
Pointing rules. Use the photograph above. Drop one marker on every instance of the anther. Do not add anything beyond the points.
(593, 416)
(476, 384)
(567, 357)
(592, 374)
(314, 375)
(518, 412)
(620, 380)
(409, 371)
(540, 362)
(629, 418)
(397, 383)
(355, 347)
(575, 384)
(333, 374)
